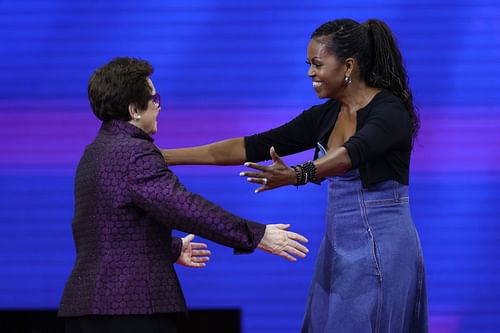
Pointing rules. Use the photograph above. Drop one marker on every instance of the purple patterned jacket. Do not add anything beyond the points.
(126, 204)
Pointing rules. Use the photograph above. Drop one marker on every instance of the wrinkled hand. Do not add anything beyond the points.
(281, 242)
(273, 176)
(192, 254)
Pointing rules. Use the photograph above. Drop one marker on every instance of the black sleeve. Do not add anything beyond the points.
(293, 137)
(387, 126)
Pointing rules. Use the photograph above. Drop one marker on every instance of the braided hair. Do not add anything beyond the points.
(375, 49)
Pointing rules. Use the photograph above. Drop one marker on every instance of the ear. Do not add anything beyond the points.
(349, 66)
(133, 111)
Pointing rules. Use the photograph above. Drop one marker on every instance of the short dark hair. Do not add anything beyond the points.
(117, 84)
(375, 49)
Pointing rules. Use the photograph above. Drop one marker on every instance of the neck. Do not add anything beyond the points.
(356, 96)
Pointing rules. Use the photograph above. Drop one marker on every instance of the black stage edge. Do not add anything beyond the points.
(46, 321)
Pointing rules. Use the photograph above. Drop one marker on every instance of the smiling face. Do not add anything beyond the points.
(326, 70)
(146, 119)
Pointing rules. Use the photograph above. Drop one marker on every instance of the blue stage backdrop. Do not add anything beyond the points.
(228, 68)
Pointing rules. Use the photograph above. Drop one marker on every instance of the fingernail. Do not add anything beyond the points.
(246, 164)
(249, 179)
(242, 173)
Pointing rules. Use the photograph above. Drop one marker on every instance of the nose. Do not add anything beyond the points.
(311, 72)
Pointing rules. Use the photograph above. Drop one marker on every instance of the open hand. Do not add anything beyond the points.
(193, 255)
(281, 242)
(273, 176)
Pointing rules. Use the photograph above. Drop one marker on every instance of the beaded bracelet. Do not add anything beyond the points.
(298, 174)
(305, 172)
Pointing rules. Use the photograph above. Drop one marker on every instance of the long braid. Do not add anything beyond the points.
(387, 67)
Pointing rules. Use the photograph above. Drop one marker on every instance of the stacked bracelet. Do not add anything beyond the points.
(298, 174)
(305, 172)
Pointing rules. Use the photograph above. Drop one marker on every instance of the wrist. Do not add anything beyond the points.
(304, 173)
(293, 176)
(263, 242)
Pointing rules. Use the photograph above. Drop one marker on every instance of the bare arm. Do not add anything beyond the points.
(334, 163)
(226, 152)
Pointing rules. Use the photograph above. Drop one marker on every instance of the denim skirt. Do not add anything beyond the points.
(369, 274)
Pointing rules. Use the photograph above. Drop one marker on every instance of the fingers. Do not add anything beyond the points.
(261, 189)
(281, 226)
(296, 236)
(274, 155)
(255, 166)
(299, 247)
(285, 244)
(196, 265)
(255, 177)
(290, 253)
(292, 250)
(285, 255)
(258, 180)
(188, 238)
(269, 177)
(196, 262)
(199, 253)
(199, 246)
(200, 259)
(252, 174)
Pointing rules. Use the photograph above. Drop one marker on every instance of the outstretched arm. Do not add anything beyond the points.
(226, 152)
(157, 191)
(335, 162)
(295, 136)
(388, 127)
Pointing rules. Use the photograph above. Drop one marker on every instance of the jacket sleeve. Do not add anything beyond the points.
(388, 126)
(158, 192)
(176, 248)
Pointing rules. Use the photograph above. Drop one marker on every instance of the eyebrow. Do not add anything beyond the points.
(313, 59)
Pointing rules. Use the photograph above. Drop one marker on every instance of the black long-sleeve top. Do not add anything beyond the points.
(380, 148)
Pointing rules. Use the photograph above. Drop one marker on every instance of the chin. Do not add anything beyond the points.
(320, 93)
(152, 131)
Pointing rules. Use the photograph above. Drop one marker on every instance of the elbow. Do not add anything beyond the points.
(344, 162)
(344, 166)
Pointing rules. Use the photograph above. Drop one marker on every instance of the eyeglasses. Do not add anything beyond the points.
(156, 99)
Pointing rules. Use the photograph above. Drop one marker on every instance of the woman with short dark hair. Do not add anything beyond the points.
(126, 204)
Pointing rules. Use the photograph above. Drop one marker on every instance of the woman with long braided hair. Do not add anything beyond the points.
(369, 273)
